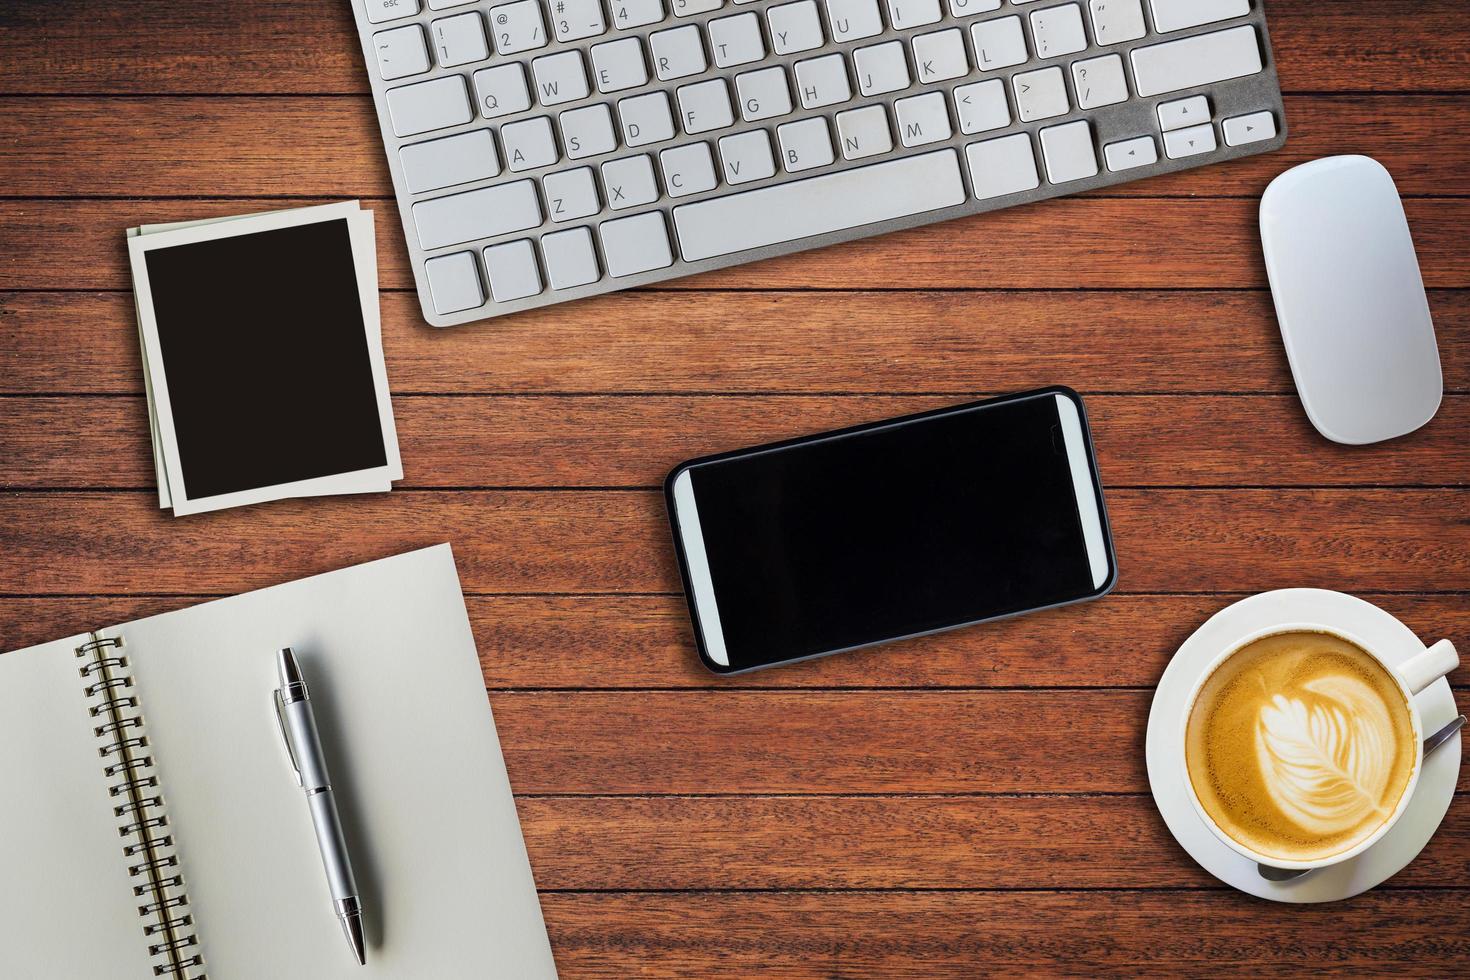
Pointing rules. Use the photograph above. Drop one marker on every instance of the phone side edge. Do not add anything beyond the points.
(699, 595)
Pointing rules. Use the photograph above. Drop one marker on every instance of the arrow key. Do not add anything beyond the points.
(1189, 142)
(1127, 154)
(1254, 128)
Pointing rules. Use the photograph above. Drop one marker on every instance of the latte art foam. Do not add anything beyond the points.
(1300, 745)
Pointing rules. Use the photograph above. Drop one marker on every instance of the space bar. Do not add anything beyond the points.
(818, 205)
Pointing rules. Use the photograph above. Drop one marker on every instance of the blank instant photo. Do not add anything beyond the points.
(263, 358)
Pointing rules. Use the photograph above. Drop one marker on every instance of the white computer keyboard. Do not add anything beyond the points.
(546, 150)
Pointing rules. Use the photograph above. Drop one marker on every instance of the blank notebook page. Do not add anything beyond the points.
(66, 902)
(426, 806)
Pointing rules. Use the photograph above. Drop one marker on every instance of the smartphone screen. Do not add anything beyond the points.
(890, 530)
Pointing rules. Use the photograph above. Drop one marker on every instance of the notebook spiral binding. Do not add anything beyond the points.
(142, 822)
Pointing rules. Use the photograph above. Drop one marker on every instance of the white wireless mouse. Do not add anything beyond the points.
(1350, 300)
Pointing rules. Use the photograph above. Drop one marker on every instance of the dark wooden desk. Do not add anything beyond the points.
(968, 804)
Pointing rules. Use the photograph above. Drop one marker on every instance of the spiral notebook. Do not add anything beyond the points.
(152, 825)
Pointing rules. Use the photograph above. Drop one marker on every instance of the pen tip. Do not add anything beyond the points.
(352, 925)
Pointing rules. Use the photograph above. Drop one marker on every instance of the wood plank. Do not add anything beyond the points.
(274, 46)
(635, 642)
(669, 342)
(67, 147)
(617, 541)
(921, 842)
(761, 742)
(1174, 243)
(822, 936)
(103, 443)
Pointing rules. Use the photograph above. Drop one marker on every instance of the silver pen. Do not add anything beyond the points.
(298, 728)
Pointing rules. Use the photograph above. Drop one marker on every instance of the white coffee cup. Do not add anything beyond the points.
(1412, 676)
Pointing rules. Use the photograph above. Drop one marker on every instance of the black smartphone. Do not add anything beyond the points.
(890, 530)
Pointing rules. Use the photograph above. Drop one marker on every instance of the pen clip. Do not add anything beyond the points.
(286, 739)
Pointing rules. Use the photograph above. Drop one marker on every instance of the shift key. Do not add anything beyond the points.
(1194, 61)
(473, 215)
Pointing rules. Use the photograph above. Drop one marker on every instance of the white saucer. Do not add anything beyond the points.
(1166, 770)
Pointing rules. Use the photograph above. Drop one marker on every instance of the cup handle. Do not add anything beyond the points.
(1424, 669)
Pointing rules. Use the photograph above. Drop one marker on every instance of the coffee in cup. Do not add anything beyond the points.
(1300, 745)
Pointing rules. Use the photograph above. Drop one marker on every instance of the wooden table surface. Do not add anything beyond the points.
(971, 803)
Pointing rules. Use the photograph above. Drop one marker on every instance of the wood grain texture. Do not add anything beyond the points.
(793, 823)
(332, 147)
(1173, 243)
(531, 642)
(822, 936)
(885, 842)
(310, 46)
(669, 342)
(1141, 441)
(617, 541)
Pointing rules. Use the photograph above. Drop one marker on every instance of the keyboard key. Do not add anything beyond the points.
(688, 8)
(1099, 82)
(819, 205)
(381, 11)
(401, 52)
(449, 161)
(1068, 152)
(736, 40)
(677, 53)
(502, 90)
(1176, 15)
(459, 40)
(1254, 128)
(426, 106)
(1058, 30)
(864, 132)
(628, 14)
(518, 27)
(588, 131)
(513, 272)
(940, 55)
(1194, 61)
(922, 119)
(969, 8)
(998, 43)
(881, 68)
(1189, 142)
(1002, 166)
(688, 169)
(570, 258)
(454, 283)
(805, 144)
(904, 14)
(763, 94)
(571, 194)
(1127, 154)
(483, 213)
(705, 106)
(1184, 112)
(619, 64)
(794, 27)
(981, 106)
(529, 144)
(747, 157)
(646, 119)
(560, 78)
(573, 20)
(854, 19)
(636, 244)
(448, 4)
(629, 182)
(822, 81)
(1116, 21)
(1041, 94)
